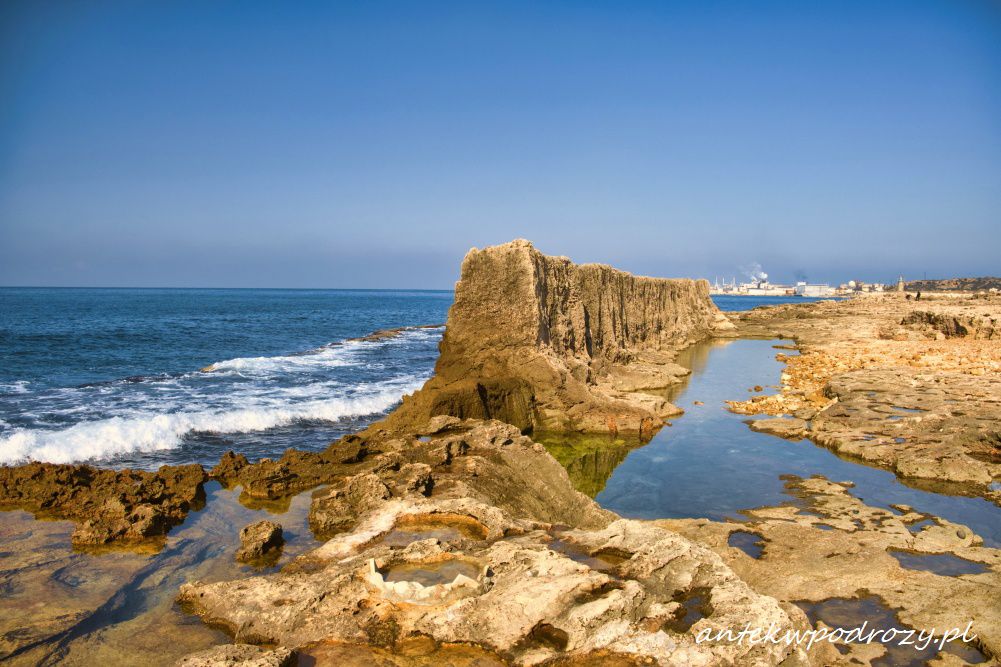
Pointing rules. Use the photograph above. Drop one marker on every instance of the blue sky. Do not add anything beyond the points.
(371, 144)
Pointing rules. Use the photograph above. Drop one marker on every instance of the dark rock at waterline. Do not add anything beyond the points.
(295, 471)
(260, 540)
(125, 506)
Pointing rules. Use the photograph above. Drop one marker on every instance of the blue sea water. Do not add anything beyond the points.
(114, 376)
(731, 302)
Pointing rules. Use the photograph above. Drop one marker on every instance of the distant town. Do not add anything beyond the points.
(760, 286)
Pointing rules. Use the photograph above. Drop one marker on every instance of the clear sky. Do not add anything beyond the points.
(370, 144)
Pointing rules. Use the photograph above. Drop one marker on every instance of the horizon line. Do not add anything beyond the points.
(162, 287)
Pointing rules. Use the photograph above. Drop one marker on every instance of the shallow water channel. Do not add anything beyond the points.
(708, 463)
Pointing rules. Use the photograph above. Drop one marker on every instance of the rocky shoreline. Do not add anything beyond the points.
(449, 535)
(914, 387)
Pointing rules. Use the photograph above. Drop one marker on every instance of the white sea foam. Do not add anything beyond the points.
(324, 357)
(143, 431)
(16, 387)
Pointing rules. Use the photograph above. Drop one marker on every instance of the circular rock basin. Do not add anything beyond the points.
(437, 580)
(433, 573)
(441, 526)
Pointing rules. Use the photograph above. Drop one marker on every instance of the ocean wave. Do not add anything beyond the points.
(16, 387)
(341, 353)
(325, 357)
(151, 432)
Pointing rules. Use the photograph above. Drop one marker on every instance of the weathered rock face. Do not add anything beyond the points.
(489, 462)
(547, 345)
(981, 326)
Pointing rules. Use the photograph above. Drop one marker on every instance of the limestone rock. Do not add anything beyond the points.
(916, 392)
(260, 540)
(836, 546)
(547, 345)
(586, 593)
(239, 655)
(491, 462)
(792, 428)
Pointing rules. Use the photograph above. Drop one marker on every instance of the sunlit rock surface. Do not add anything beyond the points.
(549, 345)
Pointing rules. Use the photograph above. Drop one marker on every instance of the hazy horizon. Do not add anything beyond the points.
(312, 146)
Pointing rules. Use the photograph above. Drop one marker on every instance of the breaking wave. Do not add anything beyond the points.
(145, 415)
(332, 356)
(151, 432)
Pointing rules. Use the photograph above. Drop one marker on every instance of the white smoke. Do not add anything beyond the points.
(753, 272)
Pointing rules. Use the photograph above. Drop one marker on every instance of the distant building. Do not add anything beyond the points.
(804, 289)
(764, 288)
(900, 284)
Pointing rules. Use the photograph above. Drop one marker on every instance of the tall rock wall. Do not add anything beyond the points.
(549, 345)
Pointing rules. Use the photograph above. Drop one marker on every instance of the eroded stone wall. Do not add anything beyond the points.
(549, 345)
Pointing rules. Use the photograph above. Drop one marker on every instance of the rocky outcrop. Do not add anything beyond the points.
(295, 471)
(124, 506)
(490, 462)
(547, 345)
(980, 326)
(517, 588)
(984, 283)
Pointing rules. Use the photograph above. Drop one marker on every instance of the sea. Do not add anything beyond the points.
(146, 377)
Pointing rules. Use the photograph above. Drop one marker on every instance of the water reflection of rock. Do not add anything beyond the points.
(589, 459)
(695, 358)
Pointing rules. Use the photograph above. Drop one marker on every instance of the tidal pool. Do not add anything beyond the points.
(750, 543)
(850, 613)
(708, 463)
(946, 565)
(432, 573)
(116, 606)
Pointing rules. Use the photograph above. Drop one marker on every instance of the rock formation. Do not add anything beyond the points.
(259, 541)
(504, 579)
(240, 655)
(125, 506)
(548, 345)
(831, 545)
